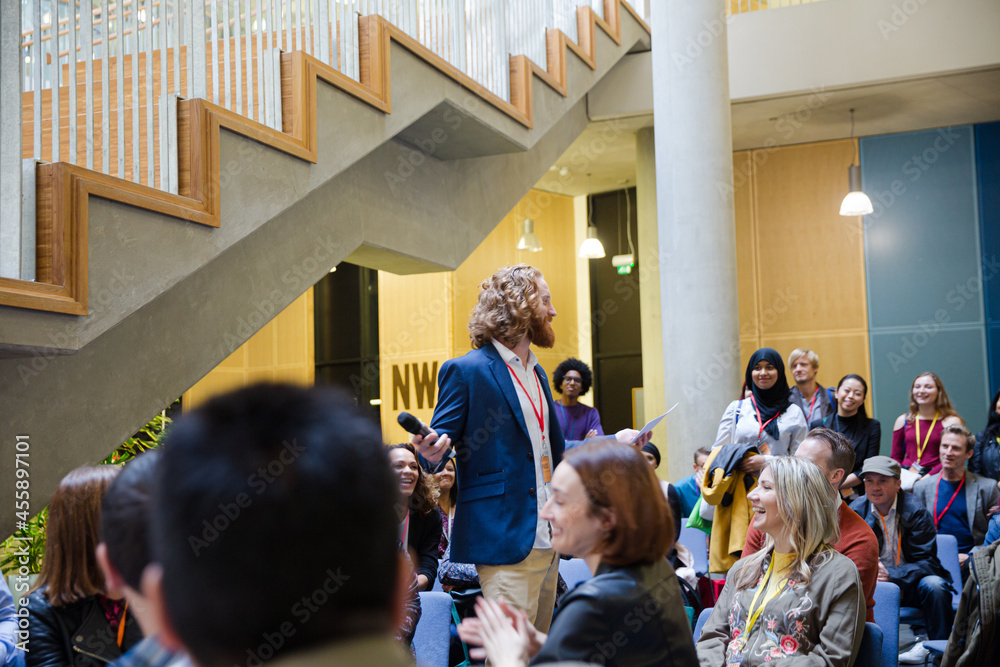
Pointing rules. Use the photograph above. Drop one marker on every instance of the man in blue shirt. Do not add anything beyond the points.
(958, 499)
(689, 488)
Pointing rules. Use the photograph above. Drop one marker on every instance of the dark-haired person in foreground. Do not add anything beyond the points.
(833, 454)
(123, 555)
(257, 549)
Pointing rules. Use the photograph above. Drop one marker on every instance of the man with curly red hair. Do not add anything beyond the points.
(496, 409)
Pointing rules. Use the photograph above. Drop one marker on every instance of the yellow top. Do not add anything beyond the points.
(775, 579)
(782, 564)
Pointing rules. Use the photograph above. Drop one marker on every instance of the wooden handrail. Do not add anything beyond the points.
(64, 190)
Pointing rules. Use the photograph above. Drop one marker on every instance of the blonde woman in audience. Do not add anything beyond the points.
(916, 435)
(797, 597)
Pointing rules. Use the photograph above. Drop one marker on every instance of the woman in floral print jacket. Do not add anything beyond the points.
(796, 600)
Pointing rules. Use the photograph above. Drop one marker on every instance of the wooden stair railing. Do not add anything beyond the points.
(63, 190)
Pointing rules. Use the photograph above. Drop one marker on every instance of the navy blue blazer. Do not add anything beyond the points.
(497, 508)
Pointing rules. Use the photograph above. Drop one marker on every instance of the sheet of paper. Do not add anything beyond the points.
(650, 425)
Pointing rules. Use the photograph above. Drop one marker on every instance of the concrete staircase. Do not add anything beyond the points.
(406, 174)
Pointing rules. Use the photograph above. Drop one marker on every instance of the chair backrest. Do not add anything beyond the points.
(887, 619)
(437, 580)
(947, 548)
(702, 619)
(574, 571)
(697, 542)
(870, 652)
(432, 639)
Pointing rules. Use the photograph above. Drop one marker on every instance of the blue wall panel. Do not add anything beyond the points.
(924, 279)
(988, 172)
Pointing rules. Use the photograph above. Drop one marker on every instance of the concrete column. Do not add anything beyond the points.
(649, 292)
(695, 222)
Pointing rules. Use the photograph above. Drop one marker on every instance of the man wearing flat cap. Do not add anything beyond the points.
(907, 544)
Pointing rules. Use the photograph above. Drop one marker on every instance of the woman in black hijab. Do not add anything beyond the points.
(986, 456)
(851, 420)
(766, 417)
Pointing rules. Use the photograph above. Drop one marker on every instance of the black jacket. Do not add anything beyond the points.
(77, 634)
(424, 538)
(985, 459)
(632, 616)
(918, 537)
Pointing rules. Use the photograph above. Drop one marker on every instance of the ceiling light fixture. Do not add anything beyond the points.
(591, 248)
(856, 202)
(528, 240)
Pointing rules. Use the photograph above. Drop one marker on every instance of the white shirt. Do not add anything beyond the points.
(739, 424)
(532, 398)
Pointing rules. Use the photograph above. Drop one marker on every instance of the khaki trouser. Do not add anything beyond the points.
(529, 585)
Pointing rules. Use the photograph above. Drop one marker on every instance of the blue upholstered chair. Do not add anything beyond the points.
(432, 639)
(574, 571)
(870, 652)
(887, 619)
(697, 542)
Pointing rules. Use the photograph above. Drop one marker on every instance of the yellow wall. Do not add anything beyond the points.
(282, 351)
(422, 319)
(801, 265)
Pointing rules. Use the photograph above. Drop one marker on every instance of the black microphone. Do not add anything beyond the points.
(412, 424)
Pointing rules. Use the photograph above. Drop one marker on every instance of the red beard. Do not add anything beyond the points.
(541, 333)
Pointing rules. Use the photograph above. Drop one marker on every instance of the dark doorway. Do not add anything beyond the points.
(346, 316)
(614, 310)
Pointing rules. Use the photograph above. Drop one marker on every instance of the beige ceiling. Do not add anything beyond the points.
(603, 157)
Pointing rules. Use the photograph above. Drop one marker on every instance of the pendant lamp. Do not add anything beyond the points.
(856, 202)
(528, 240)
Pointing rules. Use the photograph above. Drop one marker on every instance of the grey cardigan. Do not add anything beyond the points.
(980, 495)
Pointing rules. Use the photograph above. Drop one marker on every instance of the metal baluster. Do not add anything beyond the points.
(73, 109)
(324, 32)
(199, 47)
(55, 76)
(225, 54)
(120, 70)
(214, 18)
(36, 77)
(238, 57)
(260, 61)
(105, 89)
(178, 13)
(16, 242)
(147, 34)
(87, 52)
(165, 129)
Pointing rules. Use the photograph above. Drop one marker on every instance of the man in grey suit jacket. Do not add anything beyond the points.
(957, 498)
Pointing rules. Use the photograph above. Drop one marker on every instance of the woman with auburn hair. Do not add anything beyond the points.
(73, 618)
(797, 597)
(916, 435)
(606, 508)
(420, 523)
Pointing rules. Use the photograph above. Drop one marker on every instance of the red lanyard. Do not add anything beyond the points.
(764, 425)
(938, 517)
(535, 411)
(811, 402)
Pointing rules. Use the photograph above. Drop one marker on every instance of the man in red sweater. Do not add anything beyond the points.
(833, 454)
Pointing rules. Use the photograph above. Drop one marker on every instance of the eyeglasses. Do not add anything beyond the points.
(575, 380)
